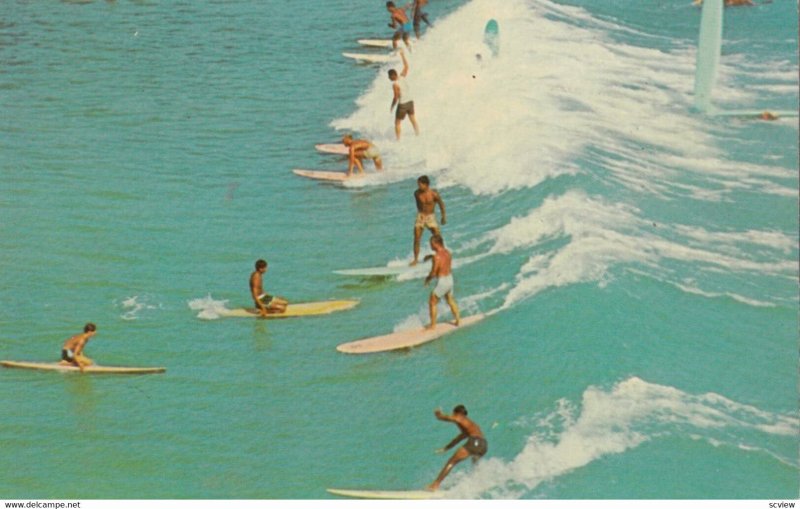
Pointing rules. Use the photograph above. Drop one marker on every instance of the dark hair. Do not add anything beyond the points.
(260, 264)
(424, 180)
(438, 239)
(89, 327)
(460, 409)
(389, 4)
(392, 73)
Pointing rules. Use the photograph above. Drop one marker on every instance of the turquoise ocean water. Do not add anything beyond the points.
(640, 259)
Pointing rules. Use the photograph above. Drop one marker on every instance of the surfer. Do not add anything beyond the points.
(475, 447)
(399, 21)
(729, 3)
(441, 269)
(72, 351)
(402, 98)
(358, 150)
(426, 199)
(265, 303)
(418, 15)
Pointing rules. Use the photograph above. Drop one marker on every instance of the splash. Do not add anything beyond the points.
(133, 306)
(612, 421)
(208, 308)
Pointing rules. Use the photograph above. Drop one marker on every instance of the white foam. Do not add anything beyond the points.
(612, 421)
(134, 305)
(208, 307)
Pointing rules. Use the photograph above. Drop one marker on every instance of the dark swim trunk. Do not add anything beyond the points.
(67, 355)
(404, 109)
(476, 446)
(265, 299)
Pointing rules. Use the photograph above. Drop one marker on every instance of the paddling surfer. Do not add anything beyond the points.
(358, 150)
(441, 269)
(426, 199)
(475, 447)
(399, 20)
(265, 303)
(72, 351)
(402, 98)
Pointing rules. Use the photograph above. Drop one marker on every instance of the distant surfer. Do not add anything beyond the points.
(72, 351)
(441, 270)
(418, 15)
(402, 98)
(426, 199)
(358, 150)
(475, 447)
(265, 303)
(729, 3)
(399, 21)
(768, 115)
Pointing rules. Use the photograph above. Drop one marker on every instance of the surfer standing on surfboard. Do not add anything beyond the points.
(400, 21)
(442, 271)
(402, 98)
(475, 447)
(265, 303)
(426, 199)
(72, 351)
(358, 150)
(419, 15)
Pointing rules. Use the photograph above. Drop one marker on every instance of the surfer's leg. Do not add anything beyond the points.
(417, 235)
(453, 308)
(432, 302)
(413, 120)
(460, 455)
(397, 128)
(378, 163)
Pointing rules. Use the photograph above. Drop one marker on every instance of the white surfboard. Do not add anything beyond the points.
(64, 367)
(332, 148)
(422, 269)
(376, 43)
(372, 58)
(328, 176)
(405, 339)
(387, 495)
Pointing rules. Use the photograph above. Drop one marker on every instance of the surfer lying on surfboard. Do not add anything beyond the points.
(72, 351)
(357, 151)
(265, 303)
(441, 270)
(475, 447)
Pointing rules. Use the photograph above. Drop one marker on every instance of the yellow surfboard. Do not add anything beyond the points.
(295, 310)
(69, 368)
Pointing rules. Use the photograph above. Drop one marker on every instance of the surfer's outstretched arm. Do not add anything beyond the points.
(404, 72)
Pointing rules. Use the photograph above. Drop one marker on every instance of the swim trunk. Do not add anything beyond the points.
(444, 285)
(67, 355)
(265, 299)
(403, 109)
(372, 152)
(426, 221)
(405, 28)
(476, 446)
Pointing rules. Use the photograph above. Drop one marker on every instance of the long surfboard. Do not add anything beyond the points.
(709, 46)
(491, 36)
(373, 58)
(294, 310)
(69, 368)
(403, 269)
(332, 148)
(328, 176)
(376, 43)
(387, 495)
(405, 339)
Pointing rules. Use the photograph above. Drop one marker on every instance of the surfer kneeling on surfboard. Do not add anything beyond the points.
(265, 303)
(475, 447)
(358, 150)
(441, 270)
(72, 351)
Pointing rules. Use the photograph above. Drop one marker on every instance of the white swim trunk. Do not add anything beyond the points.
(444, 285)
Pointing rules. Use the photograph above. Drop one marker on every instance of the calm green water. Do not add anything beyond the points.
(640, 261)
